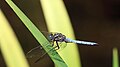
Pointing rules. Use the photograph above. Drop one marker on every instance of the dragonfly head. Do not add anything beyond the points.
(51, 36)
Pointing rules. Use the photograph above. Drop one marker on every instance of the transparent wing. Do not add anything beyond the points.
(35, 52)
(38, 51)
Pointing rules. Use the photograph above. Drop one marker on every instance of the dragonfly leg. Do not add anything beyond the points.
(57, 45)
(53, 43)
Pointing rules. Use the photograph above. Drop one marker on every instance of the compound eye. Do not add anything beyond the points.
(51, 36)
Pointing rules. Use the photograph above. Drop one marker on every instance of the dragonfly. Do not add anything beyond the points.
(59, 41)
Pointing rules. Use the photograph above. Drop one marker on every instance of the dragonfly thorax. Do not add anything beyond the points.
(57, 37)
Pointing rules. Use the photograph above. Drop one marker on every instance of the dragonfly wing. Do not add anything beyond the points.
(39, 51)
(35, 52)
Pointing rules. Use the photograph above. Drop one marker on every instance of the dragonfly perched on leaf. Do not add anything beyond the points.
(57, 40)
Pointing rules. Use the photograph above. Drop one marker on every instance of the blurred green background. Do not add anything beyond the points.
(94, 20)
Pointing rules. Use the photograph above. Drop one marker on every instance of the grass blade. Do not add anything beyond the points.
(115, 58)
